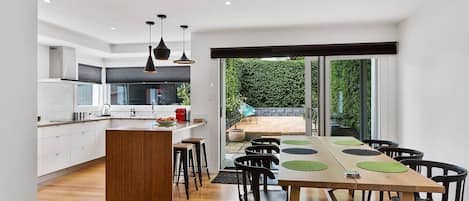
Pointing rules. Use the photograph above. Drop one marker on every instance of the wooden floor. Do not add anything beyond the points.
(88, 185)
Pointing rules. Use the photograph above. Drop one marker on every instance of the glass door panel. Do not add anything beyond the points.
(349, 96)
(266, 97)
(312, 96)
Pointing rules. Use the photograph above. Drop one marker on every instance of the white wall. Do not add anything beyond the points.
(18, 86)
(205, 72)
(433, 83)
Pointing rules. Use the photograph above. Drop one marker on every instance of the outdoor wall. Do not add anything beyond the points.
(18, 142)
(433, 84)
(205, 72)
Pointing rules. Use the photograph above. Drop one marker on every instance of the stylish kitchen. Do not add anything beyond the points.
(86, 110)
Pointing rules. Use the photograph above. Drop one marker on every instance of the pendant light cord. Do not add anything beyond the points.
(183, 40)
(149, 42)
(161, 19)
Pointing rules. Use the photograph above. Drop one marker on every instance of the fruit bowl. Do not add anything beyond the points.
(166, 121)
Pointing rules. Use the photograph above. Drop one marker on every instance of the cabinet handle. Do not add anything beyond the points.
(57, 154)
(57, 136)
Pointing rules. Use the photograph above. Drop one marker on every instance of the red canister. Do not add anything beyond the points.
(181, 114)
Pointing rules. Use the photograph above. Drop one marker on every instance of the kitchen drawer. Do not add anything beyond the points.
(84, 137)
(53, 131)
(53, 161)
(81, 154)
(53, 144)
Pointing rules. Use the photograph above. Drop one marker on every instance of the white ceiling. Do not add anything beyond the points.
(96, 17)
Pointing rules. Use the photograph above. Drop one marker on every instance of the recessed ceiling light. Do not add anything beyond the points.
(113, 28)
(47, 1)
(227, 3)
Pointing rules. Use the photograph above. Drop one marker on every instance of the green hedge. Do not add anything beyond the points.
(345, 79)
(271, 83)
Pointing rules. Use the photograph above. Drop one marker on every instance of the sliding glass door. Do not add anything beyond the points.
(266, 97)
(320, 96)
(350, 96)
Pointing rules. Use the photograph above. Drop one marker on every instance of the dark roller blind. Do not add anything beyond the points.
(87, 73)
(305, 50)
(136, 74)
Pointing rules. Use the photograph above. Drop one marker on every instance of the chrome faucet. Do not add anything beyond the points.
(153, 103)
(133, 113)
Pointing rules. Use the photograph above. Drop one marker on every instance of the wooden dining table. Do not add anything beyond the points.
(338, 162)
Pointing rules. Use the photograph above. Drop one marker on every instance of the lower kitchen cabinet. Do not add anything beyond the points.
(64, 146)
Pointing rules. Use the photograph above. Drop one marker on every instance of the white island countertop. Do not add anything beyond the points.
(179, 126)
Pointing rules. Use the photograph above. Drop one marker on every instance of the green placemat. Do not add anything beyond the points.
(296, 142)
(307, 166)
(348, 142)
(385, 167)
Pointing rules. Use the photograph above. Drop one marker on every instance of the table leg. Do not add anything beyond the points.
(351, 194)
(295, 193)
(407, 196)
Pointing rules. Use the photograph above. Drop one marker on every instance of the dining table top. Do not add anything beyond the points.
(338, 162)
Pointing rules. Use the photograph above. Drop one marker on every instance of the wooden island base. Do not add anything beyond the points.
(139, 162)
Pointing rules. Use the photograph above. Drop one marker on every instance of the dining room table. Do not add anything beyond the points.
(326, 162)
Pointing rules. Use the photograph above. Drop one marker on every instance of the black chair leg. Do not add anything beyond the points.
(175, 154)
(180, 166)
(199, 164)
(186, 174)
(191, 158)
(381, 193)
(369, 195)
(205, 158)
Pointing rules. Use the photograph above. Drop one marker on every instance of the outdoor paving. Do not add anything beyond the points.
(236, 147)
(272, 125)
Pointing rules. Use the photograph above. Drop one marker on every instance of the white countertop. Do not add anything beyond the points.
(58, 123)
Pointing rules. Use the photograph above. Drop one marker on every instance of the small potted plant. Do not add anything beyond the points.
(236, 134)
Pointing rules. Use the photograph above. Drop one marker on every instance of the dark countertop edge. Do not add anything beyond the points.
(59, 123)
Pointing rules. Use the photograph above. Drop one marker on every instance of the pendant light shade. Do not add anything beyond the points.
(150, 66)
(161, 52)
(184, 59)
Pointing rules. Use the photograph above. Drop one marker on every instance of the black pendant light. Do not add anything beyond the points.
(161, 52)
(184, 59)
(150, 66)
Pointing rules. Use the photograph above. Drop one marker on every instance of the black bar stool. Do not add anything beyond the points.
(184, 151)
(199, 143)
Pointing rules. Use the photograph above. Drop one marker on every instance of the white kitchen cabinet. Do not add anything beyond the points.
(67, 145)
(100, 148)
(83, 143)
(63, 146)
(53, 148)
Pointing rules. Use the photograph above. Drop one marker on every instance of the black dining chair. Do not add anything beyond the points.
(375, 144)
(400, 154)
(252, 168)
(262, 149)
(265, 140)
(448, 175)
(397, 154)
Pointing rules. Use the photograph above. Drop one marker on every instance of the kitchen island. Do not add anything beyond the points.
(139, 161)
